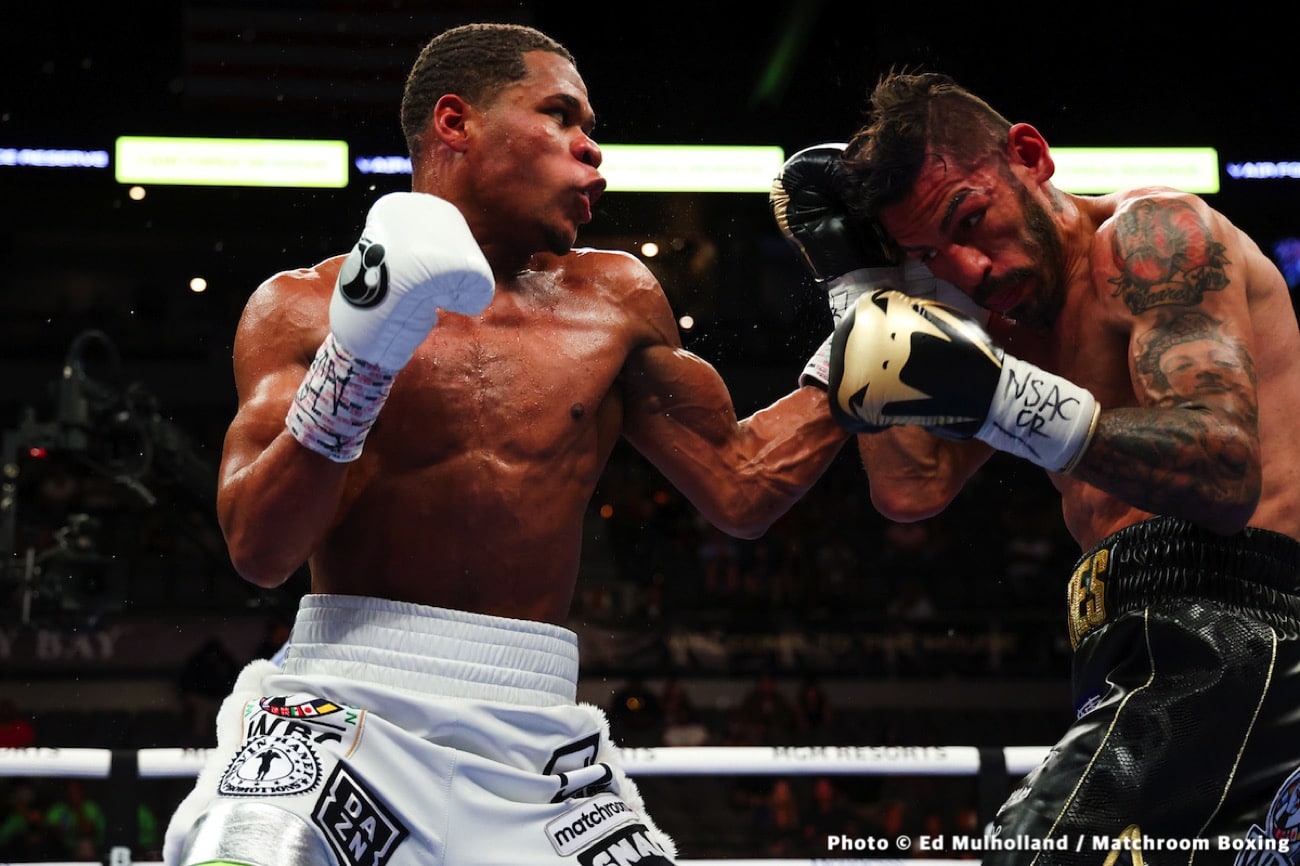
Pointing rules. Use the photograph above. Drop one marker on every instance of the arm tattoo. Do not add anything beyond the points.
(1161, 467)
(1165, 254)
(1167, 461)
(1187, 359)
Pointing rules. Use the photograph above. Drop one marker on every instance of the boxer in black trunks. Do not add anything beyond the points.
(1155, 374)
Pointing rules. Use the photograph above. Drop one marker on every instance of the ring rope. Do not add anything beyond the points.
(737, 862)
(657, 761)
(663, 761)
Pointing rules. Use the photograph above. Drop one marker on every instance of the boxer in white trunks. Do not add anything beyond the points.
(423, 422)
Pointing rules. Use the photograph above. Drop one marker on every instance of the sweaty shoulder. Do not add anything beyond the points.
(1159, 246)
(621, 279)
(608, 270)
(290, 310)
(1147, 207)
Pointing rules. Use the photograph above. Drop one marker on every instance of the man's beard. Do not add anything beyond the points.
(1040, 309)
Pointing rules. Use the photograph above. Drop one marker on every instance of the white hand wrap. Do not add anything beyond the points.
(912, 278)
(337, 403)
(842, 292)
(1040, 416)
(918, 282)
(818, 369)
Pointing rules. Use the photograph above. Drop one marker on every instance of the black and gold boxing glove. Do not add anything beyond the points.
(843, 253)
(899, 360)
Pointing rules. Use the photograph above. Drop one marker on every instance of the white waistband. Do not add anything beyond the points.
(433, 650)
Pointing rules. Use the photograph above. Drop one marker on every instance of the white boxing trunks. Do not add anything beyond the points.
(397, 734)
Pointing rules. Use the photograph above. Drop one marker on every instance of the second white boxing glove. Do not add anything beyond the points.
(416, 255)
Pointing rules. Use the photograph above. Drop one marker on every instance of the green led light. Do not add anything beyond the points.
(231, 162)
(627, 167)
(1088, 170)
(690, 168)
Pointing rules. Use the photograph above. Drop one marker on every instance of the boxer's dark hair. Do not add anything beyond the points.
(473, 61)
(914, 115)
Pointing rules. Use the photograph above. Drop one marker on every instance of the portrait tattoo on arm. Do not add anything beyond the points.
(1187, 358)
(1171, 462)
(1165, 254)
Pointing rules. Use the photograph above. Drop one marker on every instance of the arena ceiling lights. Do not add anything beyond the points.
(1089, 170)
(628, 168)
(231, 162)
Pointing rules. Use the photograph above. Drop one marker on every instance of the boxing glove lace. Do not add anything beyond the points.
(415, 256)
(899, 360)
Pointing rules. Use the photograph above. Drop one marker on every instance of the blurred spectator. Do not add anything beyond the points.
(77, 825)
(78, 822)
(814, 715)
(682, 724)
(911, 602)
(207, 676)
(916, 553)
(933, 826)
(838, 572)
(1035, 549)
(16, 730)
(148, 839)
(827, 816)
(274, 641)
(719, 556)
(636, 717)
(765, 716)
(777, 824)
(24, 834)
(907, 802)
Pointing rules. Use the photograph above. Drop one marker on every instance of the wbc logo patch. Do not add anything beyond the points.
(270, 766)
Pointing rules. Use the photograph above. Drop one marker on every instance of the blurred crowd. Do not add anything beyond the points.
(651, 567)
(832, 564)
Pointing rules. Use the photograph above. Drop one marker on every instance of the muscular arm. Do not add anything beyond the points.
(914, 475)
(741, 474)
(275, 499)
(1191, 446)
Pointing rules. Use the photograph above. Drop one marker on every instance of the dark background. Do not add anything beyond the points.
(80, 256)
(787, 73)
(115, 517)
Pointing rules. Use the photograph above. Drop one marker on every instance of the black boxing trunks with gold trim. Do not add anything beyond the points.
(1186, 677)
(1254, 570)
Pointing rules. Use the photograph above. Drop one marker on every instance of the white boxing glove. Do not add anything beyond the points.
(415, 256)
